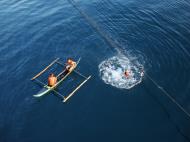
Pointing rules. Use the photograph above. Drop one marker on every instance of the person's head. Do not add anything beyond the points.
(51, 74)
(69, 60)
(127, 73)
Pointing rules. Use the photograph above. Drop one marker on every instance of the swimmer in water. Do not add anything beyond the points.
(126, 73)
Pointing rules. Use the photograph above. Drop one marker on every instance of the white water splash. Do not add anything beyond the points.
(112, 72)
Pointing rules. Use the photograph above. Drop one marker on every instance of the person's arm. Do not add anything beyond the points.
(48, 81)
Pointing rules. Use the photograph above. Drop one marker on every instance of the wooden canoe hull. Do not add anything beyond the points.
(48, 89)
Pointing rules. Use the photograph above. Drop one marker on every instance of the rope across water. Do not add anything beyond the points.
(118, 48)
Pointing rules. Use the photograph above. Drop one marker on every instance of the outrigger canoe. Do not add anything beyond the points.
(47, 89)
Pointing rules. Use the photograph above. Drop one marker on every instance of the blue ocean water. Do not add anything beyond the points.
(155, 33)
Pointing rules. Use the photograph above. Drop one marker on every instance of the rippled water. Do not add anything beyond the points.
(153, 33)
(112, 72)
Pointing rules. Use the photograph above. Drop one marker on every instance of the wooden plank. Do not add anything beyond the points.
(40, 73)
(72, 93)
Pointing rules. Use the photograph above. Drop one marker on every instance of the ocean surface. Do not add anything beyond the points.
(148, 37)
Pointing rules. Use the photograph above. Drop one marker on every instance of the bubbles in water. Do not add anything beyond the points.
(112, 72)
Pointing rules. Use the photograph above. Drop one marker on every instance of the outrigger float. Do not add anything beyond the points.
(61, 77)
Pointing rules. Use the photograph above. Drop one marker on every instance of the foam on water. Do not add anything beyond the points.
(112, 72)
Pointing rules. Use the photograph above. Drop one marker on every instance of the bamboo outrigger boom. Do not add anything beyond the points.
(40, 73)
(61, 77)
(72, 93)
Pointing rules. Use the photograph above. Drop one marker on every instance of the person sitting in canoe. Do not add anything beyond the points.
(52, 80)
(70, 65)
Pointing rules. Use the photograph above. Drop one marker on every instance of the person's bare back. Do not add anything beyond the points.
(52, 80)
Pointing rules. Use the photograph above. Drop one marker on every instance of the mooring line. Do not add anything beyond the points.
(116, 46)
(168, 95)
(95, 27)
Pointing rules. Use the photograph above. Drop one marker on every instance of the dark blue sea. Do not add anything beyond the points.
(151, 38)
